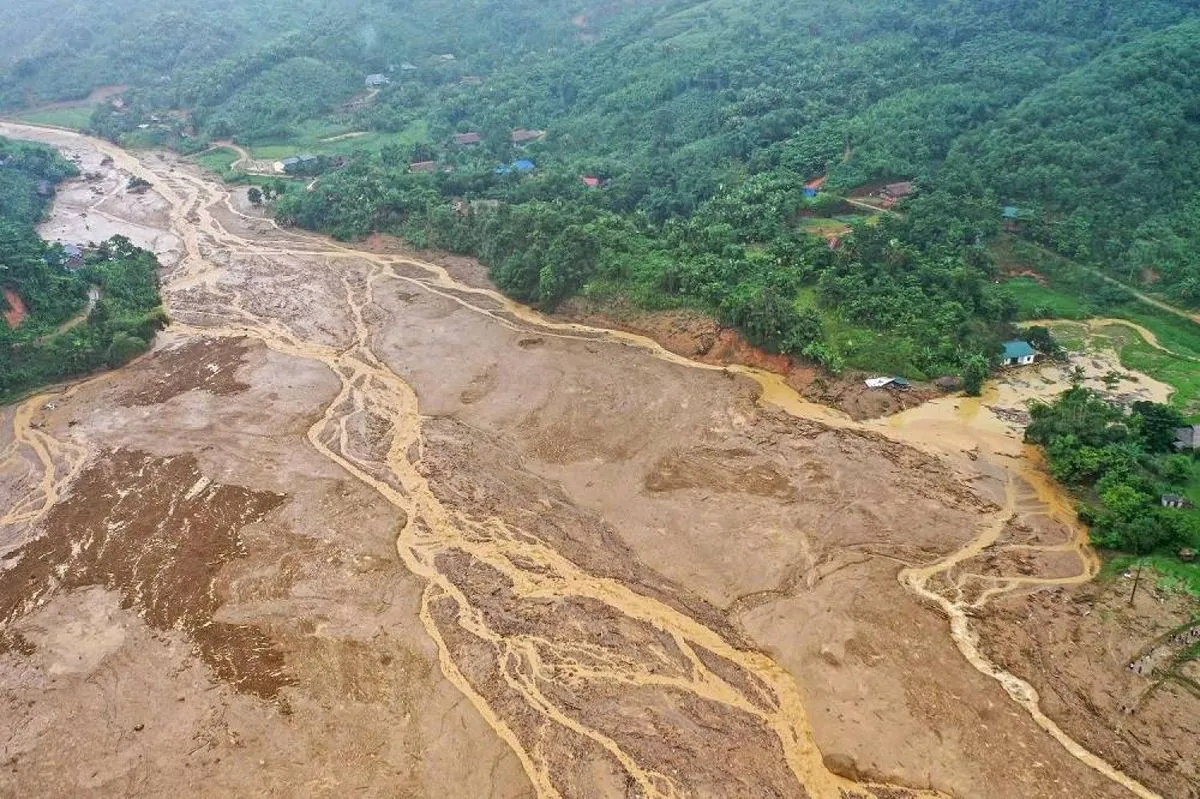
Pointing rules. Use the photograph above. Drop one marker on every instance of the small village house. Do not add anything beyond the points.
(378, 80)
(72, 257)
(522, 136)
(1176, 501)
(813, 187)
(467, 139)
(590, 182)
(1018, 353)
(296, 163)
(898, 191)
(524, 167)
(423, 166)
(1013, 217)
(1187, 439)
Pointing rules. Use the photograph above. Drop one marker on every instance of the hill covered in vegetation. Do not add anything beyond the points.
(696, 124)
(43, 290)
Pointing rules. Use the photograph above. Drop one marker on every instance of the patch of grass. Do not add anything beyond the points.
(822, 227)
(862, 348)
(218, 160)
(73, 118)
(1168, 573)
(314, 140)
(1181, 374)
(1035, 301)
(1072, 336)
(1173, 332)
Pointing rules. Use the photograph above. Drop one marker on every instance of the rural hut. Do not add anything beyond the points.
(1018, 353)
(1187, 439)
(522, 136)
(898, 191)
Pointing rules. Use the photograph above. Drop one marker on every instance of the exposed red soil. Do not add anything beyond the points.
(16, 312)
(1020, 271)
(700, 337)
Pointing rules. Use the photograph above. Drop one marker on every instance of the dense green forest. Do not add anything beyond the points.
(43, 349)
(699, 122)
(1122, 464)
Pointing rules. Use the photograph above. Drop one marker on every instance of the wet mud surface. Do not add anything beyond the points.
(357, 524)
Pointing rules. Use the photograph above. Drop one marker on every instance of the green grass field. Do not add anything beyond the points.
(1035, 301)
(1173, 332)
(1168, 573)
(314, 139)
(1183, 375)
(860, 347)
(218, 160)
(73, 118)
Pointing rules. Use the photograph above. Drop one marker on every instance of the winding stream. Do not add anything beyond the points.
(434, 533)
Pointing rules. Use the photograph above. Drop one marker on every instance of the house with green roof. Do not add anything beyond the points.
(1018, 353)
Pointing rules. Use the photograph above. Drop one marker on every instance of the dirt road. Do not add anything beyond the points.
(245, 162)
(358, 523)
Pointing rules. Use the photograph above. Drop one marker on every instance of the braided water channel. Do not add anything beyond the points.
(658, 645)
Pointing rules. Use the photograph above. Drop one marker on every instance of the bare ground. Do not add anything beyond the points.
(356, 524)
(700, 337)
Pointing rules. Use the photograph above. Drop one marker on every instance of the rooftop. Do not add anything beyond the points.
(1018, 349)
(521, 136)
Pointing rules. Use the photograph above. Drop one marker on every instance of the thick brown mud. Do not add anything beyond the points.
(500, 555)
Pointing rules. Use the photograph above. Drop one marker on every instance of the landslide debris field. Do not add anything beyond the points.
(355, 525)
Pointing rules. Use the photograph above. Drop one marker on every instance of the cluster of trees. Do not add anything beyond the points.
(27, 265)
(1104, 160)
(119, 326)
(1120, 463)
(704, 119)
(706, 123)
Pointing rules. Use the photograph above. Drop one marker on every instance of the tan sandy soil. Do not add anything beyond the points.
(1077, 645)
(700, 337)
(357, 525)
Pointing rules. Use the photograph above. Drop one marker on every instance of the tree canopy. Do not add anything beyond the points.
(698, 123)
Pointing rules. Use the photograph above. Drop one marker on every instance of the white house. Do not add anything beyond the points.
(1018, 353)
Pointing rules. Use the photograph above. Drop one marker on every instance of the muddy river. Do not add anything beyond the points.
(359, 522)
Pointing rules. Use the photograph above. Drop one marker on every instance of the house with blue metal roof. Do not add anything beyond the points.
(524, 167)
(1018, 353)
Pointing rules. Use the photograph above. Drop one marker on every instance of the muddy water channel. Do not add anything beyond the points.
(356, 522)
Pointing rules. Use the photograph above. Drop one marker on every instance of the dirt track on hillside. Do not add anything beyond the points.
(356, 524)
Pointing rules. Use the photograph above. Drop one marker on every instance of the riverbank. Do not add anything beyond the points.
(498, 552)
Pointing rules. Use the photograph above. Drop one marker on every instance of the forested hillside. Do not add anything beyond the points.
(42, 290)
(1109, 156)
(697, 124)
